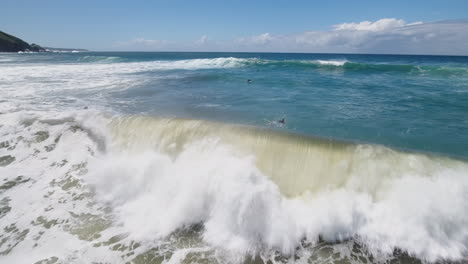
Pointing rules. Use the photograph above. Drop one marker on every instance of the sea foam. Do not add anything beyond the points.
(168, 184)
(246, 211)
(332, 62)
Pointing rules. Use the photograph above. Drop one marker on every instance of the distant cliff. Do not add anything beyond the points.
(9, 43)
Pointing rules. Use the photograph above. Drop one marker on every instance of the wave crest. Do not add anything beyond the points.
(255, 190)
(248, 191)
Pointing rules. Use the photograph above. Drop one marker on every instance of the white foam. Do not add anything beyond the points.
(41, 206)
(244, 212)
(24, 83)
(153, 194)
(332, 62)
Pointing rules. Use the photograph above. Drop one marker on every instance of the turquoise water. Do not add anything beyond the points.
(409, 102)
(148, 157)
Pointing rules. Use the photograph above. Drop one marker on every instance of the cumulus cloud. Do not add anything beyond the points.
(262, 39)
(379, 25)
(387, 35)
(202, 40)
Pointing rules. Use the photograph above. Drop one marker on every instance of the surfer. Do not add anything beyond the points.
(282, 121)
(249, 81)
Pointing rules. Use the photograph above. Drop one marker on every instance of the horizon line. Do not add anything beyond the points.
(283, 52)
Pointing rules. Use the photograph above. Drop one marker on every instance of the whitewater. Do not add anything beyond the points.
(176, 158)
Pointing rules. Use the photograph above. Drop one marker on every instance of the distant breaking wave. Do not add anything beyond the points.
(193, 64)
(350, 66)
(332, 62)
(232, 62)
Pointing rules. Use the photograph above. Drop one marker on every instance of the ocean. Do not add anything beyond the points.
(146, 157)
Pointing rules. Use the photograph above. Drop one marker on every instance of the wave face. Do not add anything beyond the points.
(259, 190)
(234, 192)
(111, 158)
(314, 163)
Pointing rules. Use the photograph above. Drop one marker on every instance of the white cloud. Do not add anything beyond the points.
(202, 40)
(379, 25)
(262, 39)
(387, 36)
(146, 42)
(415, 23)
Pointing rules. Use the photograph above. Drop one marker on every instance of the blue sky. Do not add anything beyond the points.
(298, 26)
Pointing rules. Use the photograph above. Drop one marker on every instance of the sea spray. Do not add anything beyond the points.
(243, 210)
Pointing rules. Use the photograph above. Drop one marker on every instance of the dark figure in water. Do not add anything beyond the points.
(85, 107)
(249, 81)
(282, 121)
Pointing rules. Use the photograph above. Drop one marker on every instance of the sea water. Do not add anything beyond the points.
(141, 157)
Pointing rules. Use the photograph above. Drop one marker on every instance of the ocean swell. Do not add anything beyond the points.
(362, 67)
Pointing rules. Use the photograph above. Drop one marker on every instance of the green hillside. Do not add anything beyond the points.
(9, 43)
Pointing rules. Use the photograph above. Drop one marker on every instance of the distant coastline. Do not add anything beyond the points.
(10, 43)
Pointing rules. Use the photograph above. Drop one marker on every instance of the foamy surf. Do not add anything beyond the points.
(332, 62)
(127, 188)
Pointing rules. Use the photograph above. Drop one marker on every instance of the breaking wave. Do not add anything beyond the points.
(244, 191)
(332, 62)
(349, 66)
(256, 190)
(125, 65)
(193, 64)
